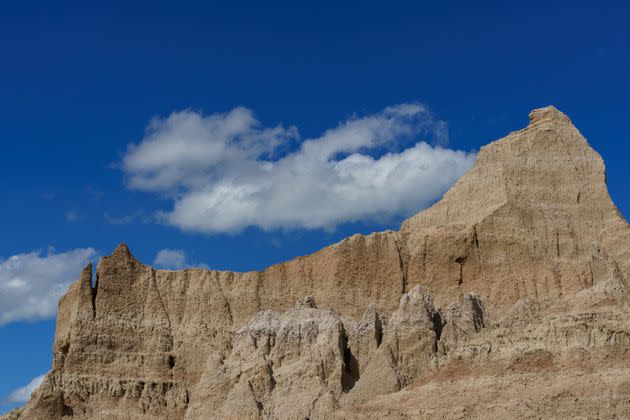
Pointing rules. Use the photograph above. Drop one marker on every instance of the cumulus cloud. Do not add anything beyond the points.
(186, 149)
(173, 259)
(31, 283)
(226, 171)
(23, 394)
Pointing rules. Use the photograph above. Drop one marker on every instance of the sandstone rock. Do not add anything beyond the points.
(461, 319)
(290, 365)
(364, 337)
(408, 347)
(12, 415)
(507, 298)
(521, 222)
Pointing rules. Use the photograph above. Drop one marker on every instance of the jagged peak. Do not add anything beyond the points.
(548, 113)
(121, 255)
(86, 275)
(123, 249)
(548, 163)
(87, 271)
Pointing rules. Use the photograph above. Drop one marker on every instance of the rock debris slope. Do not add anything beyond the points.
(507, 298)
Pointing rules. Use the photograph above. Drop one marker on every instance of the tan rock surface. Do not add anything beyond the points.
(12, 415)
(507, 298)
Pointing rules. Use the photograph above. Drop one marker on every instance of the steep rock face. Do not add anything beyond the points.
(408, 347)
(566, 358)
(521, 222)
(290, 365)
(524, 257)
(139, 339)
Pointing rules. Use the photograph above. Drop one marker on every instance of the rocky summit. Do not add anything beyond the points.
(506, 299)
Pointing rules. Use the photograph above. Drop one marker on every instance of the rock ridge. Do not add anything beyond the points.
(521, 266)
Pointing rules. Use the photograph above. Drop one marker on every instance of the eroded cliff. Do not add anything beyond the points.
(517, 276)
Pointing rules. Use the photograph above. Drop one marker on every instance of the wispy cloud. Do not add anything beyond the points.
(23, 394)
(32, 283)
(173, 259)
(227, 171)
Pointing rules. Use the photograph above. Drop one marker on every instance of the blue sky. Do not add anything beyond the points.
(239, 135)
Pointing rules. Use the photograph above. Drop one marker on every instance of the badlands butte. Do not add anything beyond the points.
(506, 299)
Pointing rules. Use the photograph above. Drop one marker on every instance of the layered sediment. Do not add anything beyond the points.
(508, 297)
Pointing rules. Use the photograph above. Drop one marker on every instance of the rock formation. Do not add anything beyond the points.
(507, 298)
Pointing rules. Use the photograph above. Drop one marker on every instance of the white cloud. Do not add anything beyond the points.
(170, 258)
(225, 172)
(31, 284)
(173, 259)
(187, 148)
(23, 394)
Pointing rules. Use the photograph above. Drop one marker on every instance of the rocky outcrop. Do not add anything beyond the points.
(517, 276)
(12, 415)
(521, 222)
(408, 347)
(290, 365)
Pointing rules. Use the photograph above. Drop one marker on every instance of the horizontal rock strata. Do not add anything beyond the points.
(507, 298)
